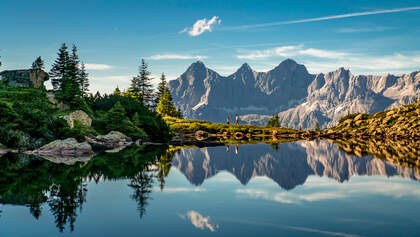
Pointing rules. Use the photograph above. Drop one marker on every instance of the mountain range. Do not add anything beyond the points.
(300, 98)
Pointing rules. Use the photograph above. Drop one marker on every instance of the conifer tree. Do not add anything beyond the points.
(274, 121)
(141, 86)
(38, 63)
(84, 80)
(117, 92)
(145, 84)
(0, 61)
(165, 106)
(59, 70)
(134, 90)
(161, 87)
(97, 95)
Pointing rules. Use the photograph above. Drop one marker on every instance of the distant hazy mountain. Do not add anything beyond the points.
(302, 99)
(289, 166)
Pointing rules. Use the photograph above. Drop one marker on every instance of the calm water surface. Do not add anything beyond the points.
(296, 189)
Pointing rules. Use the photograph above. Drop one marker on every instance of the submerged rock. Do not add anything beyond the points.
(112, 140)
(67, 147)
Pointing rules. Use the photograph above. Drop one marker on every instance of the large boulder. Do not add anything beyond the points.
(78, 115)
(112, 140)
(29, 78)
(67, 147)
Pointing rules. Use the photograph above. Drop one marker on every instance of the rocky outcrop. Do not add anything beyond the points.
(67, 147)
(112, 140)
(336, 94)
(79, 116)
(30, 78)
(402, 122)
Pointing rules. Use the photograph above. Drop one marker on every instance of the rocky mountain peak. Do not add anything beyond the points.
(197, 66)
(245, 67)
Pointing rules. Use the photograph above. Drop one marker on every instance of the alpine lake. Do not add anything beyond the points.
(301, 188)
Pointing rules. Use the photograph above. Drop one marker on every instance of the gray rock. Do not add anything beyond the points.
(29, 78)
(112, 140)
(79, 116)
(67, 147)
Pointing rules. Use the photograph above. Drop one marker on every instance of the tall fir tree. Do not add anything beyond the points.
(165, 106)
(38, 63)
(134, 90)
(117, 92)
(59, 70)
(66, 77)
(161, 88)
(84, 79)
(144, 84)
(274, 121)
(74, 70)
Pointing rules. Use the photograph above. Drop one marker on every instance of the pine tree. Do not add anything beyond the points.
(84, 80)
(165, 106)
(134, 90)
(115, 116)
(59, 70)
(0, 61)
(274, 121)
(141, 87)
(73, 67)
(161, 88)
(117, 92)
(145, 84)
(38, 63)
(97, 95)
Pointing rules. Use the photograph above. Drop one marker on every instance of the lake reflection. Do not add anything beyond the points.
(301, 188)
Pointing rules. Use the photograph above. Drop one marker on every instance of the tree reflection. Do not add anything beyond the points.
(142, 184)
(32, 181)
(64, 201)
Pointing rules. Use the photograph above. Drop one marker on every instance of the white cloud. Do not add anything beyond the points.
(284, 51)
(290, 51)
(321, 60)
(317, 191)
(199, 221)
(323, 53)
(93, 66)
(363, 29)
(202, 26)
(396, 63)
(175, 56)
(181, 190)
(323, 18)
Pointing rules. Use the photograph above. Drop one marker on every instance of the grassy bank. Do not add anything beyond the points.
(188, 126)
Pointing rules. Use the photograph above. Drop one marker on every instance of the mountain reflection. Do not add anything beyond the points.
(288, 164)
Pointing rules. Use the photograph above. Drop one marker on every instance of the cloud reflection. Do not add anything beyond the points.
(199, 221)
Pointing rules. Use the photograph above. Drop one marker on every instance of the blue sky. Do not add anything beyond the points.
(368, 37)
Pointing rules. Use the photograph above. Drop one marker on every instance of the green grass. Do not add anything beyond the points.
(191, 126)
